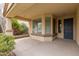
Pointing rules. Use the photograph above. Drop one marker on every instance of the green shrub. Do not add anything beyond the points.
(18, 28)
(15, 23)
(6, 43)
(24, 28)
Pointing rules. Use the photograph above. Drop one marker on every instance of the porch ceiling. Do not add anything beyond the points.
(29, 10)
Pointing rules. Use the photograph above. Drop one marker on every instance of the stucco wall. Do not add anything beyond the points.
(77, 26)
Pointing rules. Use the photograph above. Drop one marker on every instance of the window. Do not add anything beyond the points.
(59, 26)
(37, 26)
(54, 26)
(47, 24)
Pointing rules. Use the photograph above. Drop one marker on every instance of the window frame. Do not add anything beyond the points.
(35, 24)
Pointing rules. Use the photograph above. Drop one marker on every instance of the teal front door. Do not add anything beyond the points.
(68, 28)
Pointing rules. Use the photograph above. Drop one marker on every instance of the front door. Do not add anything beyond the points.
(68, 28)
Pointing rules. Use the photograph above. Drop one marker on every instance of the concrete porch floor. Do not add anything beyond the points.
(58, 47)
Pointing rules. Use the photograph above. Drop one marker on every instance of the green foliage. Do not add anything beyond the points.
(6, 43)
(17, 27)
(15, 23)
(24, 28)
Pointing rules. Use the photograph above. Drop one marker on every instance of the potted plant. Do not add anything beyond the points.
(6, 45)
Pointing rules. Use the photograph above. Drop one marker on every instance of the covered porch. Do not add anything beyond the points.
(53, 28)
(47, 21)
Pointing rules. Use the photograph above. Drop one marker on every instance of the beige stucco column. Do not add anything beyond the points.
(43, 25)
(51, 25)
(77, 26)
(8, 29)
(30, 27)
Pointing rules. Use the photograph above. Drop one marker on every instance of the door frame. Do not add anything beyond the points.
(74, 25)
